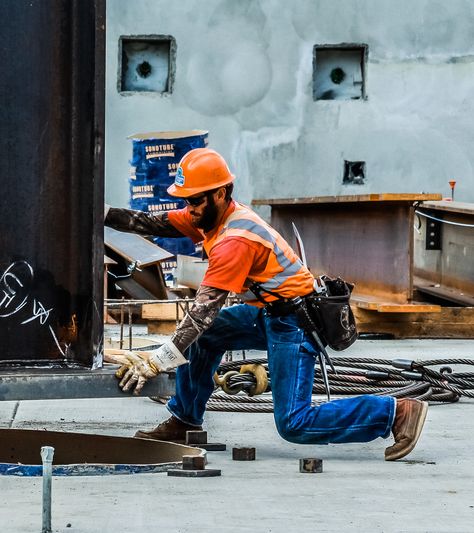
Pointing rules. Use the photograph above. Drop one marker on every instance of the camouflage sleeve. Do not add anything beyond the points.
(202, 314)
(141, 222)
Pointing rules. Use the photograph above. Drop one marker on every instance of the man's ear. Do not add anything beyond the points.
(221, 193)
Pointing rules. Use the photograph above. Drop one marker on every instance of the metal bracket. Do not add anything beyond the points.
(433, 234)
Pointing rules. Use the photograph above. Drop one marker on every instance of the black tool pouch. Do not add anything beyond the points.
(330, 312)
(333, 315)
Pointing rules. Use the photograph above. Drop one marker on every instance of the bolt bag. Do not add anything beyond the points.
(332, 313)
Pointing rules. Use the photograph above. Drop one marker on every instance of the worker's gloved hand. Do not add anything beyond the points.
(135, 373)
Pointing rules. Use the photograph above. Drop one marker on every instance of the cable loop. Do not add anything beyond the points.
(355, 376)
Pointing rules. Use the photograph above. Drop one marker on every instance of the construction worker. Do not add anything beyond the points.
(242, 250)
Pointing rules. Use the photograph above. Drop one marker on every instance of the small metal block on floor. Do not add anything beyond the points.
(209, 472)
(243, 454)
(199, 439)
(311, 466)
(194, 462)
(196, 437)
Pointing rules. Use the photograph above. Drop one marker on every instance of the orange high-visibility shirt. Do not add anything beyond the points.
(243, 249)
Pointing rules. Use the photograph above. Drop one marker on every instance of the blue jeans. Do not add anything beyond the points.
(291, 360)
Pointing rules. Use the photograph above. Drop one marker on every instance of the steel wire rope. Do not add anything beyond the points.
(354, 377)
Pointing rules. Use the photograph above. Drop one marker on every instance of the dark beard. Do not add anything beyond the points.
(209, 216)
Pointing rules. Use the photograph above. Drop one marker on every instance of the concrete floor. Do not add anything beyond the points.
(432, 490)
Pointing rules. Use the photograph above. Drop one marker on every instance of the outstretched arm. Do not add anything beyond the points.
(200, 317)
(202, 314)
(140, 222)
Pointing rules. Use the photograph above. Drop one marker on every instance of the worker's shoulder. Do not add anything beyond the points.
(236, 243)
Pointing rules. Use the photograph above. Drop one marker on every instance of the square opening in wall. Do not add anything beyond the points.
(147, 64)
(354, 172)
(339, 72)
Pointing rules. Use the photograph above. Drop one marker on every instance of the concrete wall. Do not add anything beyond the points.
(244, 72)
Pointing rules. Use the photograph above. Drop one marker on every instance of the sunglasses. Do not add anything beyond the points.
(195, 201)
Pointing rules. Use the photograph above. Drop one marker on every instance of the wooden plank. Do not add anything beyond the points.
(355, 198)
(162, 311)
(134, 247)
(450, 322)
(163, 327)
(445, 316)
(370, 304)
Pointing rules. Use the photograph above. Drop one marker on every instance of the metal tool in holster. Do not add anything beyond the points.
(297, 305)
(307, 323)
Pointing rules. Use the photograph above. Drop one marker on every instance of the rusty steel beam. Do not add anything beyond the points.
(365, 239)
(51, 170)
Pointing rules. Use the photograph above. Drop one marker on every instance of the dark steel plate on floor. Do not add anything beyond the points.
(86, 454)
(210, 472)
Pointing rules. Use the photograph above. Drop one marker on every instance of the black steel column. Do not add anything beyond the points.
(51, 180)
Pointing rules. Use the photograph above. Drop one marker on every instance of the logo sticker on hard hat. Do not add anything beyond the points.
(179, 179)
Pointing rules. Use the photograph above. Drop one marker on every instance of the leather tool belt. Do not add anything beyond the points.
(281, 307)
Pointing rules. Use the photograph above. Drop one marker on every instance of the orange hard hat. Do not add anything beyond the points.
(200, 170)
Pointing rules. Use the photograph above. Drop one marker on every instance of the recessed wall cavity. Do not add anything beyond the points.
(147, 64)
(354, 173)
(339, 72)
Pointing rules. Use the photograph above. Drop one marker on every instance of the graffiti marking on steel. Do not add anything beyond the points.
(14, 284)
(11, 285)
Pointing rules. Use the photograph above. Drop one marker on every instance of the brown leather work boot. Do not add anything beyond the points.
(409, 419)
(172, 430)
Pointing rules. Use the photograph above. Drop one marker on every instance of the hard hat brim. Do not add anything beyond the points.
(186, 192)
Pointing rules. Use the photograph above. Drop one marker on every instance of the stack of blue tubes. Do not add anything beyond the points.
(153, 168)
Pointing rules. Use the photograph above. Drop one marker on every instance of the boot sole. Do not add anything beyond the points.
(419, 427)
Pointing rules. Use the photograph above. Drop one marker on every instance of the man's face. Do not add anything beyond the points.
(205, 214)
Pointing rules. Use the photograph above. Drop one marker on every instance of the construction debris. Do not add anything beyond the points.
(311, 466)
(243, 454)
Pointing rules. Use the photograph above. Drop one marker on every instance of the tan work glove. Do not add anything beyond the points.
(138, 369)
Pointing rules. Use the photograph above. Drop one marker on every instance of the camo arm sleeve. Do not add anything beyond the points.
(200, 317)
(141, 222)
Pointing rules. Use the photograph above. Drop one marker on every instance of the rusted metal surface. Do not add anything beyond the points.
(83, 453)
(51, 169)
(194, 437)
(194, 462)
(311, 466)
(199, 438)
(243, 454)
(367, 243)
